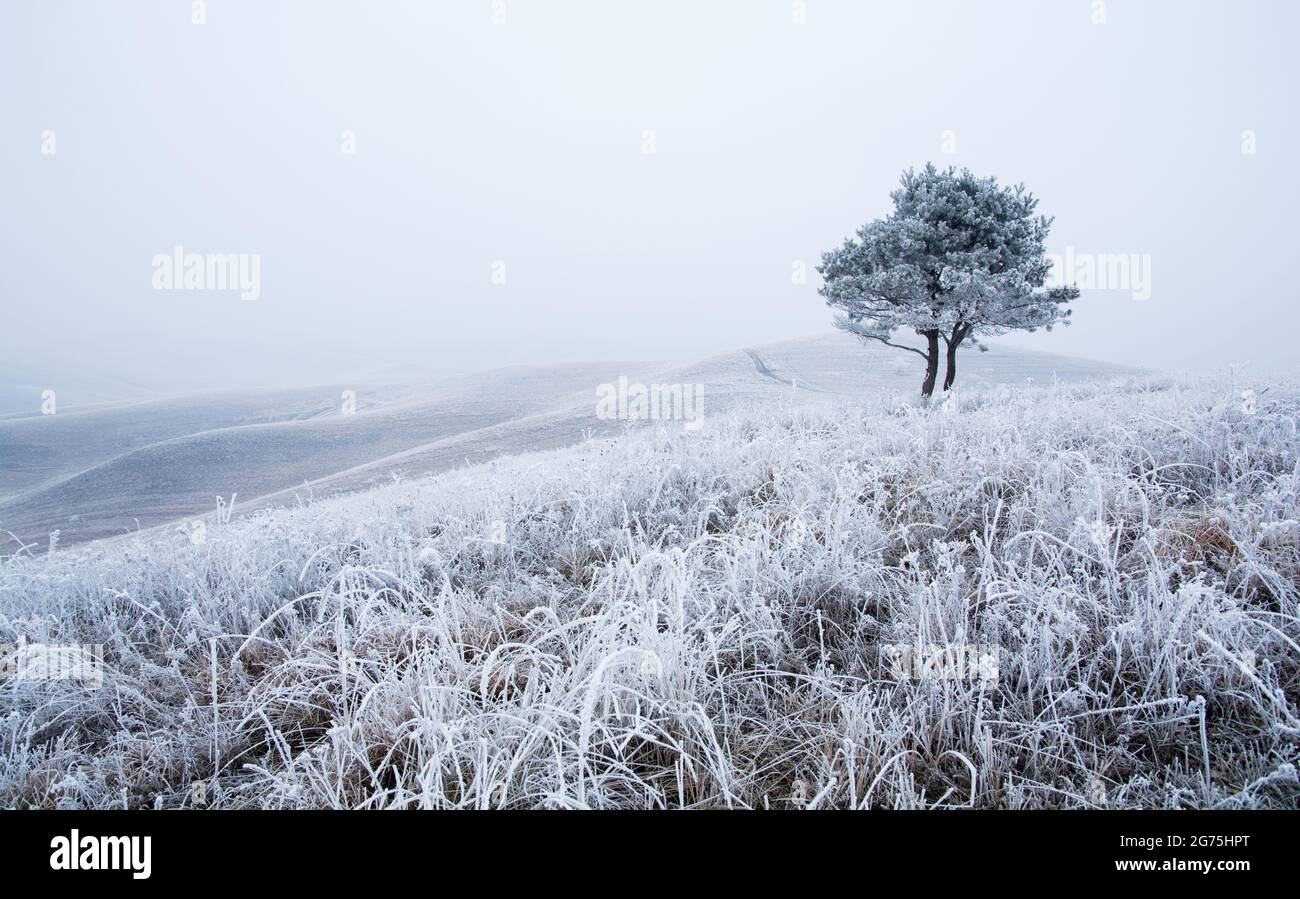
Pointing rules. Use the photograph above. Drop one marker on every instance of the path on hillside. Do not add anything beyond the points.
(761, 366)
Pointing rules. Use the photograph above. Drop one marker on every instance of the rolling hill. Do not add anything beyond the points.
(1075, 596)
(108, 470)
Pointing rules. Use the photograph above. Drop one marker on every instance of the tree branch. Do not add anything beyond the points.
(897, 346)
(960, 331)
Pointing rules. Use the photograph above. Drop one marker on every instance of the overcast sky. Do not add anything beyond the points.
(520, 149)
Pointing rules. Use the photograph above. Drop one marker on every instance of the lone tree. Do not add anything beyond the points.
(958, 259)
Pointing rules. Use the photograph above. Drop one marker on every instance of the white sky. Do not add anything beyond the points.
(523, 143)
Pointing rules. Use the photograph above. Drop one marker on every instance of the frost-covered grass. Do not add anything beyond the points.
(697, 619)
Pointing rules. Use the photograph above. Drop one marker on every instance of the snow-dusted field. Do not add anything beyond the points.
(718, 618)
(107, 471)
(116, 469)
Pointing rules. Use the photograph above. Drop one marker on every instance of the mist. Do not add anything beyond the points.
(442, 187)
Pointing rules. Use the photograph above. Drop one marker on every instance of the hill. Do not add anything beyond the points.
(1077, 596)
(124, 467)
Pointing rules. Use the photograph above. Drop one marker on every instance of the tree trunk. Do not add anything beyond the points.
(959, 333)
(952, 368)
(931, 363)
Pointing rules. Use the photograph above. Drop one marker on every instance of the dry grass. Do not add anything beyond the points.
(698, 619)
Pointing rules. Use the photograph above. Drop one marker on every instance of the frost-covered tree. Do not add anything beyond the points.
(959, 258)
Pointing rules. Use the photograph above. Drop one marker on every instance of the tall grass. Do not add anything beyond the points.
(698, 619)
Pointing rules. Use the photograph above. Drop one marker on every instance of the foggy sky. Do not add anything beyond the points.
(522, 146)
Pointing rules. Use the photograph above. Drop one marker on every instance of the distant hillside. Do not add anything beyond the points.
(107, 471)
